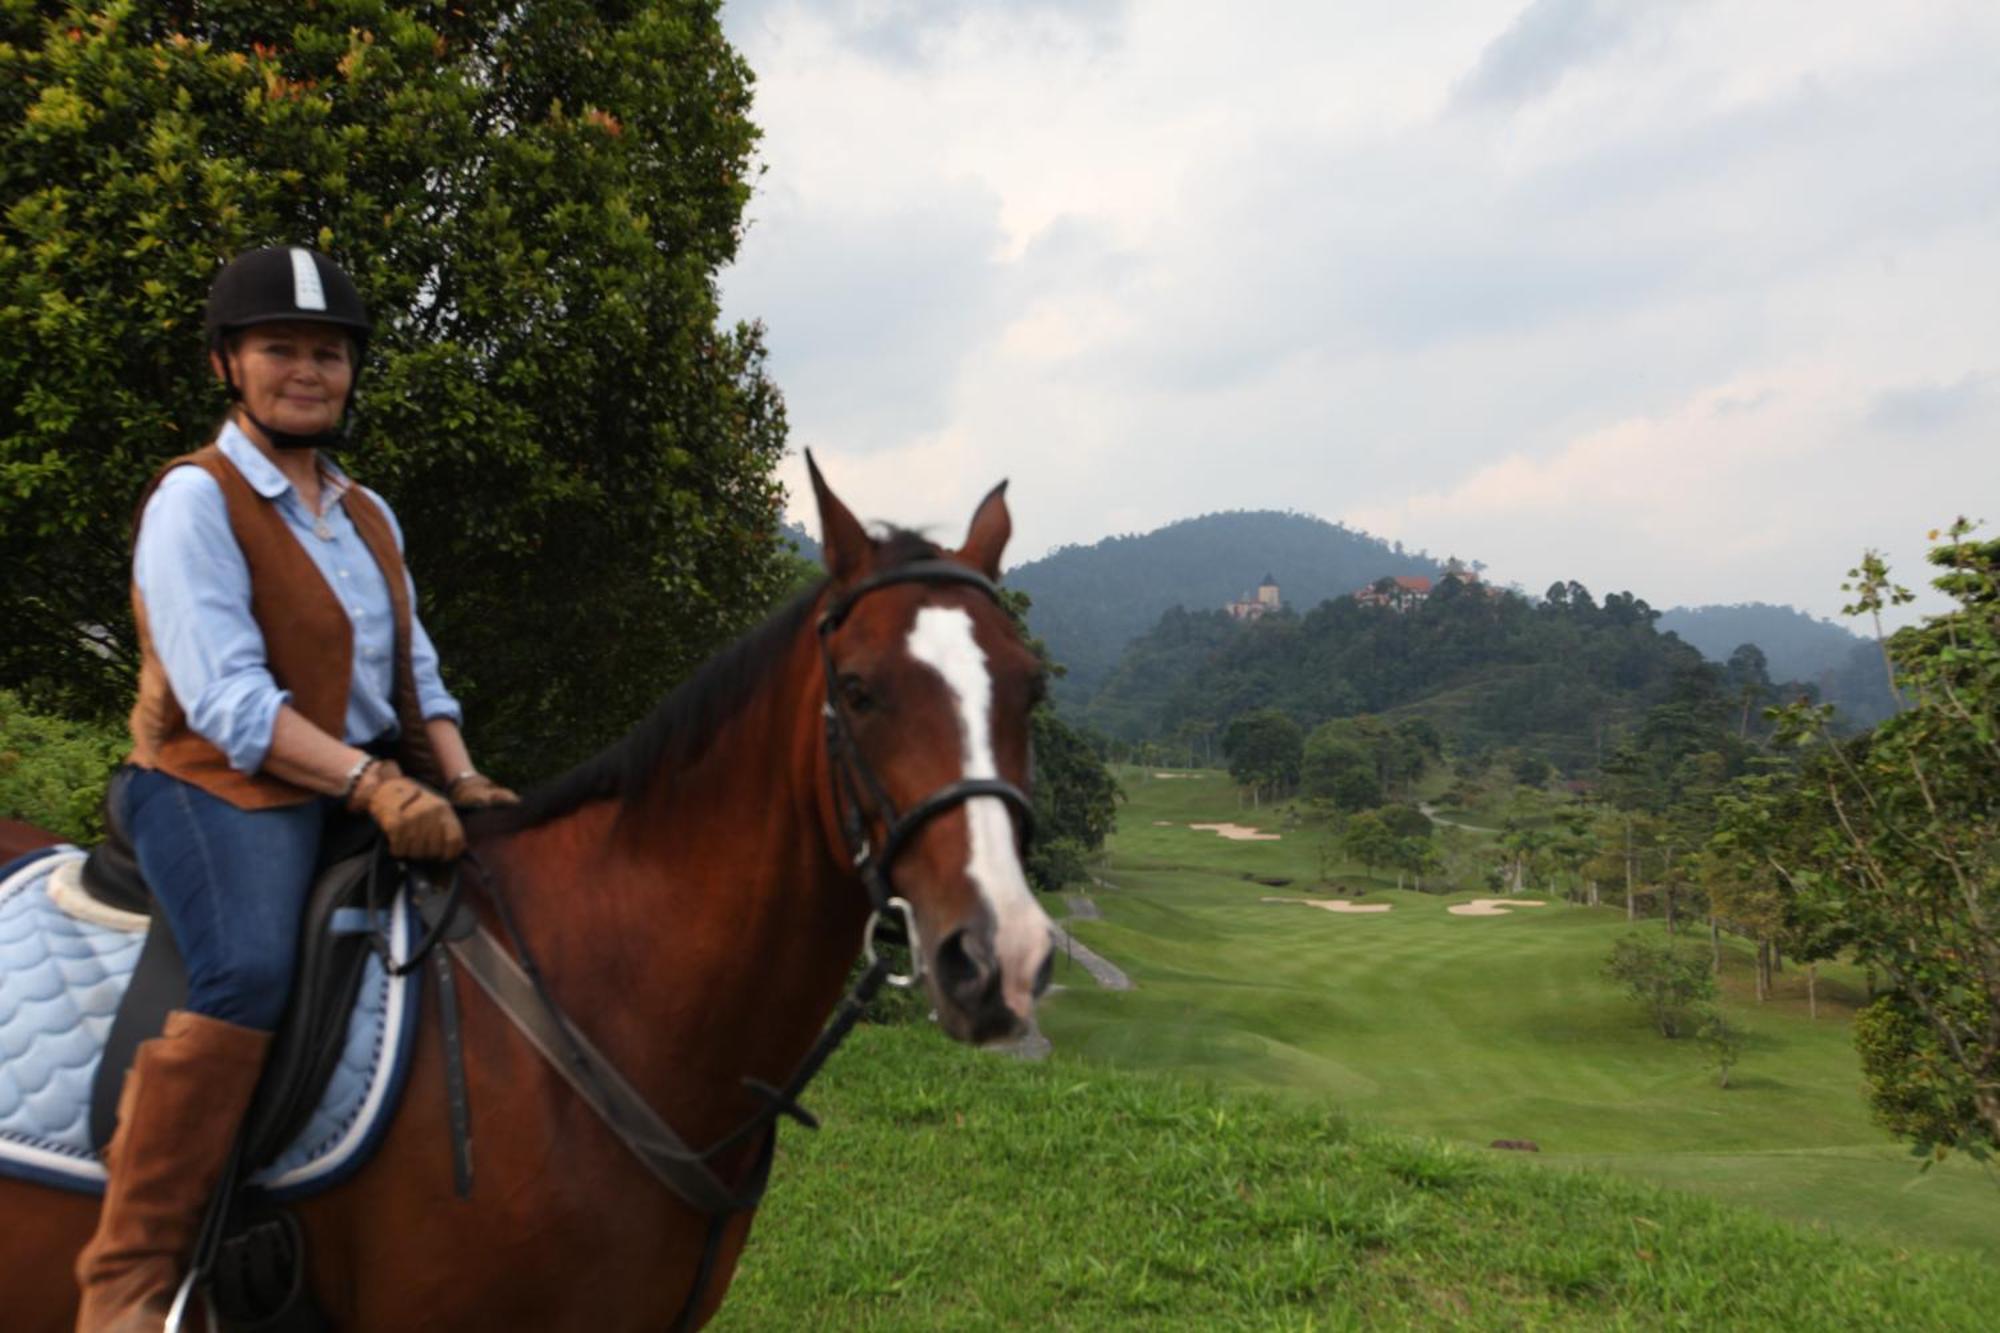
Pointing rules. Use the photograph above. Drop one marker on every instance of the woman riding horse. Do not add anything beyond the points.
(283, 669)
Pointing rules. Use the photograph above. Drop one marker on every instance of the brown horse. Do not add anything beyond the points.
(18, 839)
(692, 901)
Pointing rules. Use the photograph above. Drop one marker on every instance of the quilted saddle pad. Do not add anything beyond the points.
(60, 983)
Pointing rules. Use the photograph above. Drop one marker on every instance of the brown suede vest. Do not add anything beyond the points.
(308, 644)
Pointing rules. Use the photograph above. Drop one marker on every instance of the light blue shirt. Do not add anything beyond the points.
(196, 586)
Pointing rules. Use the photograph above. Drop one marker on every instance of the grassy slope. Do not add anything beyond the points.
(1476, 1029)
(958, 1189)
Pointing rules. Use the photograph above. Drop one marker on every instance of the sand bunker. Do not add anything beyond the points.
(1195, 777)
(1333, 904)
(1237, 832)
(1491, 906)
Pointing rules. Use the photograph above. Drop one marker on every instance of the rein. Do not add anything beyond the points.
(509, 976)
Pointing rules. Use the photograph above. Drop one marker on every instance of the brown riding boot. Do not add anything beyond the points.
(178, 1114)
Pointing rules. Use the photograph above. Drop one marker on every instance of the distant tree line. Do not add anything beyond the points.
(1565, 677)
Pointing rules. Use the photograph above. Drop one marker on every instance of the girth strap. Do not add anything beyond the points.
(595, 1079)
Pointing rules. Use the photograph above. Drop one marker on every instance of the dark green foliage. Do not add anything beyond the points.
(1723, 1041)
(1796, 645)
(535, 200)
(1918, 1089)
(1358, 762)
(1338, 769)
(1560, 681)
(52, 772)
(1265, 749)
(1076, 798)
(1095, 599)
(1076, 802)
(1895, 846)
(1670, 980)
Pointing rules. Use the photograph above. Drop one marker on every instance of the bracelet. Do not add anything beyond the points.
(459, 777)
(361, 766)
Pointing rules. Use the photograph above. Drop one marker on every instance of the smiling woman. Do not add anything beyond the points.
(294, 378)
(283, 675)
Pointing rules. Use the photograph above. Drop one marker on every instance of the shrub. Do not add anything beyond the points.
(52, 771)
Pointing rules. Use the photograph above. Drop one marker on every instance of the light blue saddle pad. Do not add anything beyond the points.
(60, 983)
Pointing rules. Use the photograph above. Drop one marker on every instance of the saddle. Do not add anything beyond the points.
(354, 874)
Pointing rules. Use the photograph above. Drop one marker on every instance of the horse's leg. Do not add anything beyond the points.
(41, 1232)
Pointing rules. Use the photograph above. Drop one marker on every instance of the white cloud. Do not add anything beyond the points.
(1693, 284)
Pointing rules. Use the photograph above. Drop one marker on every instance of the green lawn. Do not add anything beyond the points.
(963, 1190)
(1474, 1029)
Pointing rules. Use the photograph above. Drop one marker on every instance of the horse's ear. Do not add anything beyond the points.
(992, 525)
(842, 540)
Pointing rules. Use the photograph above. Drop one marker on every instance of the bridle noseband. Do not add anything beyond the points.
(858, 793)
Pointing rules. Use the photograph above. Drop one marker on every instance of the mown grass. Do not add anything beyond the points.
(1475, 1029)
(955, 1188)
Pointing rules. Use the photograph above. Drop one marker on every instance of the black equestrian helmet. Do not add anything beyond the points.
(280, 283)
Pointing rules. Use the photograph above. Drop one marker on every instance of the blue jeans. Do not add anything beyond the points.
(233, 885)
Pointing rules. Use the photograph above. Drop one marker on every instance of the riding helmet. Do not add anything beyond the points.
(286, 283)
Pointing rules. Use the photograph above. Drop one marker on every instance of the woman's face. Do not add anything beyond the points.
(293, 377)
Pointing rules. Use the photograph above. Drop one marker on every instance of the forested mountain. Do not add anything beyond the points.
(1564, 678)
(1845, 667)
(1797, 646)
(1090, 601)
(806, 544)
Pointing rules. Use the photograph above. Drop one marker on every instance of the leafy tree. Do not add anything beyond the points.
(535, 200)
(1723, 1041)
(52, 771)
(1370, 841)
(1339, 769)
(1904, 853)
(1265, 750)
(1531, 769)
(1076, 798)
(1671, 980)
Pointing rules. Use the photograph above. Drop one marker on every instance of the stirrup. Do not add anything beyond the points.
(177, 1312)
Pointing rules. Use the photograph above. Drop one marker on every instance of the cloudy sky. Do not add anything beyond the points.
(1688, 297)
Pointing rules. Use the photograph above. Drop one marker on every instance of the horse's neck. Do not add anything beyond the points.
(702, 934)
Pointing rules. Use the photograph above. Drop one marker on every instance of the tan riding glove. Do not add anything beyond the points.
(472, 790)
(419, 824)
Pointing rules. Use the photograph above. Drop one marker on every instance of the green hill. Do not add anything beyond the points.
(1796, 646)
(1565, 676)
(1090, 601)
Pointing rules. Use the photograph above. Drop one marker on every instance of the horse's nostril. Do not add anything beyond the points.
(965, 966)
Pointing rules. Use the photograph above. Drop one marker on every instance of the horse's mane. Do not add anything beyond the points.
(680, 727)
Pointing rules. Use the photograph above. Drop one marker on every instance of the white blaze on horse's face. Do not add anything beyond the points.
(942, 640)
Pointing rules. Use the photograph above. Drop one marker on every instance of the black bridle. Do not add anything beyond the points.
(858, 794)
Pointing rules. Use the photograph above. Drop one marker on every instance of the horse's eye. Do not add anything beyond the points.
(855, 694)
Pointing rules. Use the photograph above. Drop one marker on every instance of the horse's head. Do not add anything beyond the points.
(929, 691)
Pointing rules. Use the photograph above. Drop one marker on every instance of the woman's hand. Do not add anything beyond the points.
(419, 824)
(471, 790)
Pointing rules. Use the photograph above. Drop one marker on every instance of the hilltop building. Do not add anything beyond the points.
(1258, 604)
(1405, 591)
(1400, 593)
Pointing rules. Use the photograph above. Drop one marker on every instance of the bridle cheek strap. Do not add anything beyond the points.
(858, 793)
